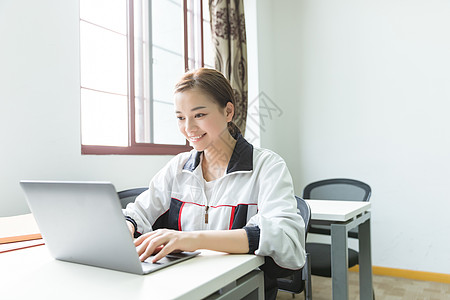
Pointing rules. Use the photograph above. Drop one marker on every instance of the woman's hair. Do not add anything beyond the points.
(213, 83)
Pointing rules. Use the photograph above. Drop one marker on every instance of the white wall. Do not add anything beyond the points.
(278, 80)
(367, 85)
(40, 105)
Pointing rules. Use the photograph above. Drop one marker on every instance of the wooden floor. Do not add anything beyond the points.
(386, 288)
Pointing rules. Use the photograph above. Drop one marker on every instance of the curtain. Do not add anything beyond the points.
(229, 42)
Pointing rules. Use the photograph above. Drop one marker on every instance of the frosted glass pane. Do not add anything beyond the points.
(166, 131)
(205, 11)
(141, 69)
(104, 119)
(167, 25)
(167, 70)
(142, 120)
(208, 46)
(103, 59)
(111, 14)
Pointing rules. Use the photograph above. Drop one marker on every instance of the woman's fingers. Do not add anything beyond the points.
(166, 249)
(143, 237)
(152, 244)
(160, 242)
(149, 246)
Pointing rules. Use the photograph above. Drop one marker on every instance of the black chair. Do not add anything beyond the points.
(129, 195)
(333, 189)
(300, 280)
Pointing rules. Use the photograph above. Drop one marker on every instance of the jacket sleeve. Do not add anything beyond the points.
(282, 229)
(154, 202)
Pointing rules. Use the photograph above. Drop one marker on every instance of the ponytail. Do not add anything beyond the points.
(233, 129)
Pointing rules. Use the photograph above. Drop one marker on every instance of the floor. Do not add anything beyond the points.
(386, 288)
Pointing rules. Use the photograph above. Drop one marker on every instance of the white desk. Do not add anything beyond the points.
(32, 273)
(343, 216)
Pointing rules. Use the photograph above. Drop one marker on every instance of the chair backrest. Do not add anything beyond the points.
(129, 195)
(297, 282)
(338, 189)
(305, 211)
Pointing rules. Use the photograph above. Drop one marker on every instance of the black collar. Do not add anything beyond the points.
(241, 159)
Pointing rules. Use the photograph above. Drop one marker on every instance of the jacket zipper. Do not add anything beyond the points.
(206, 214)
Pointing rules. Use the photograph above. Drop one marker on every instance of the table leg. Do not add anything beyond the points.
(339, 262)
(365, 262)
(248, 287)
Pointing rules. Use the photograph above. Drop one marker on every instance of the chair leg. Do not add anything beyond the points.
(307, 277)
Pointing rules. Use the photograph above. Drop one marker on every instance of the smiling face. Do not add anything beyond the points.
(200, 119)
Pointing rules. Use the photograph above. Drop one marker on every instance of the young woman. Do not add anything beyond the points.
(225, 194)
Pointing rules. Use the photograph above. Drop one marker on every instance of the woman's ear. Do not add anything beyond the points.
(230, 111)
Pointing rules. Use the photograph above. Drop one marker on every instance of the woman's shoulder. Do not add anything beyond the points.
(265, 156)
(179, 161)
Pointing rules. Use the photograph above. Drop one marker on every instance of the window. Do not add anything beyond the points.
(131, 54)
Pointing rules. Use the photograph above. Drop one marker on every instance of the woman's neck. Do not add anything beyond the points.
(217, 156)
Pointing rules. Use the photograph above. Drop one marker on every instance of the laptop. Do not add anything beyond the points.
(82, 222)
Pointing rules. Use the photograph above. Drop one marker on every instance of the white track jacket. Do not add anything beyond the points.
(256, 194)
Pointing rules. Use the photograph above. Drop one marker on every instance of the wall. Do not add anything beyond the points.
(40, 105)
(367, 85)
(278, 81)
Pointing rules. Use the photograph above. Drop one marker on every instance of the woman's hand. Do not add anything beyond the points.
(163, 242)
(130, 228)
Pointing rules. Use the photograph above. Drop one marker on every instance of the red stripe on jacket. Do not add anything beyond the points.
(179, 216)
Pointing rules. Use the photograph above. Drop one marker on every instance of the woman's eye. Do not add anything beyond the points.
(200, 115)
(180, 118)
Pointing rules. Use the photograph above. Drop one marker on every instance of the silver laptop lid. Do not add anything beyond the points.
(82, 222)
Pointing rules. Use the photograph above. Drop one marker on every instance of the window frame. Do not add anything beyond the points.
(133, 147)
